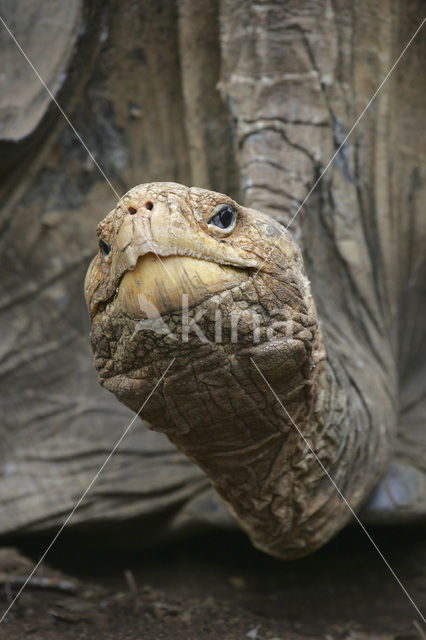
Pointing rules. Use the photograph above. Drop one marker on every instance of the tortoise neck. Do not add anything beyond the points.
(222, 411)
(265, 469)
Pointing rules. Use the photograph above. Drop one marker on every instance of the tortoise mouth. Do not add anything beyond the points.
(160, 285)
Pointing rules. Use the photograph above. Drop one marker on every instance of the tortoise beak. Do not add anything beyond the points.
(161, 285)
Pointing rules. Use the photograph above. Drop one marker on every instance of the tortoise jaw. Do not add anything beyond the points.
(159, 285)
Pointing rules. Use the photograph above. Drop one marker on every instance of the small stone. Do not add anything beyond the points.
(253, 633)
(185, 617)
(210, 603)
(238, 582)
(135, 112)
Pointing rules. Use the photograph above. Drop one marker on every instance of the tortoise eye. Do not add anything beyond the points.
(224, 218)
(104, 247)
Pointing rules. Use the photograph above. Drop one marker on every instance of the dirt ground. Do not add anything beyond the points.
(217, 586)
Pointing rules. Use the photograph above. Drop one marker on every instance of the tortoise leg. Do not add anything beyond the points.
(399, 498)
(206, 510)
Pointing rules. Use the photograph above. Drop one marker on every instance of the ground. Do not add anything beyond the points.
(219, 587)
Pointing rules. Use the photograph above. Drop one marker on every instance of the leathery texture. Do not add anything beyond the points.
(216, 407)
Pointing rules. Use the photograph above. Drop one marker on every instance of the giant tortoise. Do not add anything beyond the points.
(252, 100)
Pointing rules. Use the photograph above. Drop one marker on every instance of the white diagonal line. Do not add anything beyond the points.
(59, 106)
(76, 132)
(359, 118)
(84, 494)
(345, 139)
(341, 495)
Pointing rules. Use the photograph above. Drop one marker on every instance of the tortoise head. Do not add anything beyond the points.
(187, 276)
(174, 278)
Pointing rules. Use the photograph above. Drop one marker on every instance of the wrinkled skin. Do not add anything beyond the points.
(213, 404)
(245, 100)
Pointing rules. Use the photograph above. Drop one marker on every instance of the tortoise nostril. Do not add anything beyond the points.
(131, 210)
(149, 205)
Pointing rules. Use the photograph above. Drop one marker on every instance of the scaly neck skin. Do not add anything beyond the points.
(216, 408)
(260, 464)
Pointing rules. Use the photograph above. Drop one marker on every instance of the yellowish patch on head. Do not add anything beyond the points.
(155, 286)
